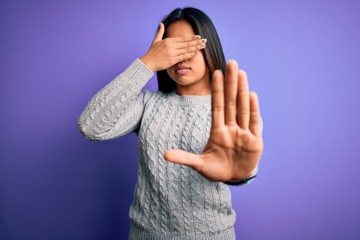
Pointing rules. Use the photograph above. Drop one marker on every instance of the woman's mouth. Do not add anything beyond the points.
(182, 70)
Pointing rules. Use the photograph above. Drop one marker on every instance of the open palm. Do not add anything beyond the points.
(235, 143)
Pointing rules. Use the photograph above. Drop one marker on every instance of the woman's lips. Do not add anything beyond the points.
(182, 70)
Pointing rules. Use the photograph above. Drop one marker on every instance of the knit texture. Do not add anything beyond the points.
(171, 201)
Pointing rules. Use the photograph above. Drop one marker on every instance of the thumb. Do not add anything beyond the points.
(160, 33)
(185, 158)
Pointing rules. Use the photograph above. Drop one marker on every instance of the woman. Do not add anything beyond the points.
(200, 132)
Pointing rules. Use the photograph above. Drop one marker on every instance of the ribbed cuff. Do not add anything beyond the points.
(241, 182)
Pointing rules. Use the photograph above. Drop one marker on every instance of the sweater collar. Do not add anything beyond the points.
(190, 99)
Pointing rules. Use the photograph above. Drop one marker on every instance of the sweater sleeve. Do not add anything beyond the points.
(117, 108)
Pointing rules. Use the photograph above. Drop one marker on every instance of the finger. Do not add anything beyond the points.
(196, 43)
(243, 101)
(217, 99)
(230, 92)
(160, 33)
(255, 118)
(187, 38)
(190, 48)
(185, 56)
(184, 158)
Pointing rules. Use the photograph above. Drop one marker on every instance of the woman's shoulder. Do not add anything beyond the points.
(155, 93)
(151, 93)
(153, 96)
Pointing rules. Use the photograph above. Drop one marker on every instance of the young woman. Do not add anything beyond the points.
(199, 133)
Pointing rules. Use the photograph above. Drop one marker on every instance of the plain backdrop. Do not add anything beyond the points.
(302, 58)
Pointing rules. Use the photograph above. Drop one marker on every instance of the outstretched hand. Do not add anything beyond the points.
(235, 143)
(164, 53)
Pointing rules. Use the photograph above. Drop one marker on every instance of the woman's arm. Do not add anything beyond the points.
(235, 144)
(117, 109)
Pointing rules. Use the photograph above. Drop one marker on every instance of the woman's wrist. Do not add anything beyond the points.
(147, 63)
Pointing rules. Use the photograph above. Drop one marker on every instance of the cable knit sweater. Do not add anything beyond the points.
(171, 201)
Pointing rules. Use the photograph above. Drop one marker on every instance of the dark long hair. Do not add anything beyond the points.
(203, 26)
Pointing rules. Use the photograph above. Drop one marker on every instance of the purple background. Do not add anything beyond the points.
(302, 57)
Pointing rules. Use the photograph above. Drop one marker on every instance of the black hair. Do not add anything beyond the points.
(203, 26)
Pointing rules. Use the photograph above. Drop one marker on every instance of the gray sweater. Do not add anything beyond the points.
(171, 201)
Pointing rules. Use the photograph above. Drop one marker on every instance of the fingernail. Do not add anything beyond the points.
(197, 37)
(204, 40)
(203, 45)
